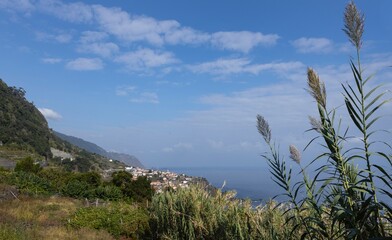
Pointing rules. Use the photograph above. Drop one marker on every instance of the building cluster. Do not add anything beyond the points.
(161, 180)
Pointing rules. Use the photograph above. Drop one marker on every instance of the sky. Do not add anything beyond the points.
(179, 83)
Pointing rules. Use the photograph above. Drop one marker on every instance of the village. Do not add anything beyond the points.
(162, 180)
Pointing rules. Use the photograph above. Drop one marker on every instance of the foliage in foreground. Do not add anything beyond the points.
(195, 213)
(119, 219)
(43, 218)
(342, 199)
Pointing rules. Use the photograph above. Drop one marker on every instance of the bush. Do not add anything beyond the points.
(138, 190)
(27, 165)
(57, 177)
(122, 179)
(30, 183)
(77, 189)
(109, 192)
(118, 219)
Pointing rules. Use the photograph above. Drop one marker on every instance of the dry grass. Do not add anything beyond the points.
(42, 218)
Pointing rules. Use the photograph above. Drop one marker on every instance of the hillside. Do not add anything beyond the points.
(24, 132)
(21, 123)
(93, 148)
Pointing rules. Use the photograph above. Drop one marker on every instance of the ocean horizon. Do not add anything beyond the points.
(254, 183)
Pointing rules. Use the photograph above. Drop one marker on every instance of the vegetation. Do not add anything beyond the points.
(195, 213)
(27, 165)
(343, 197)
(21, 123)
(118, 219)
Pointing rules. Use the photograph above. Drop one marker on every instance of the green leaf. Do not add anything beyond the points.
(354, 116)
(357, 76)
(373, 101)
(375, 109)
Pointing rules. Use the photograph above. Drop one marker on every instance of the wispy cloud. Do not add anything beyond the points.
(145, 97)
(72, 12)
(135, 96)
(60, 38)
(244, 65)
(52, 60)
(181, 146)
(313, 45)
(242, 41)
(50, 114)
(17, 5)
(85, 64)
(125, 90)
(146, 58)
(132, 28)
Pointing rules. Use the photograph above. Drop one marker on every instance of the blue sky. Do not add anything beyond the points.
(179, 83)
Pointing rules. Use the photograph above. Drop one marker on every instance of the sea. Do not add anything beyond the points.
(252, 183)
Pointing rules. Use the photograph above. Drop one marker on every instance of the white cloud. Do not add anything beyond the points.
(50, 114)
(85, 64)
(101, 49)
(136, 96)
(60, 38)
(94, 42)
(145, 97)
(242, 41)
(244, 65)
(181, 146)
(52, 60)
(313, 45)
(72, 12)
(125, 90)
(222, 66)
(19, 5)
(63, 38)
(93, 36)
(146, 58)
(186, 35)
(132, 28)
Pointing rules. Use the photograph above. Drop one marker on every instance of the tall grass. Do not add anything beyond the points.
(343, 196)
(195, 213)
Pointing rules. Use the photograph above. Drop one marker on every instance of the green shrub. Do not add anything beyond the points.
(77, 189)
(139, 190)
(57, 177)
(27, 165)
(108, 192)
(118, 219)
(91, 178)
(122, 179)
(30, 183)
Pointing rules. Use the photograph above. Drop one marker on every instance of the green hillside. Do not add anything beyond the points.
(93, 148)
(21, 123)
(24, 132)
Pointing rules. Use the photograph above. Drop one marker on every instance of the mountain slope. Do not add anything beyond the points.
(24, 132)
(93, 148)
(21, 123)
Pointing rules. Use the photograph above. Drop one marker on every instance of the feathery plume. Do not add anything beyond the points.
(316, 124)
(295, 154)
(264, 129)
(317, 88)
(354, 24)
